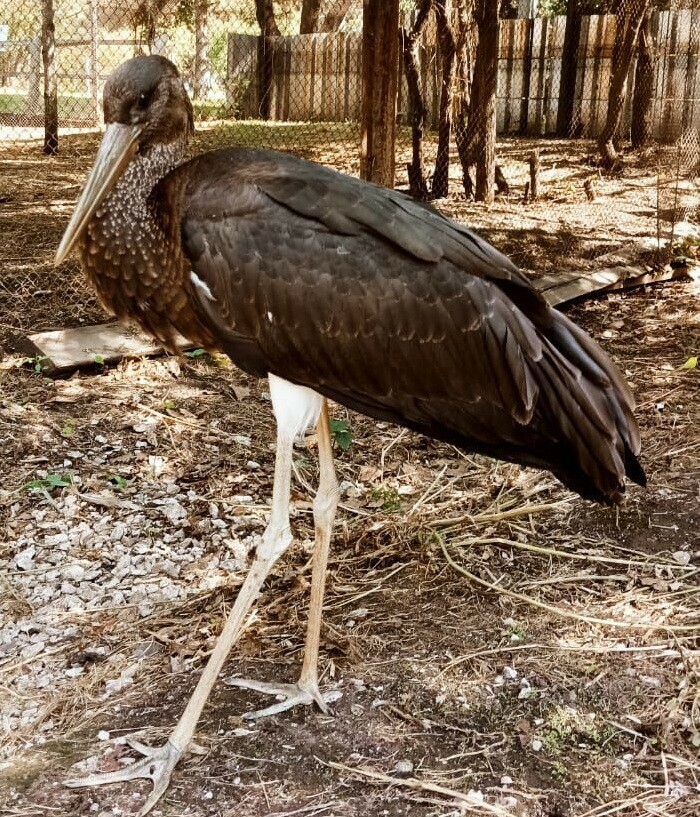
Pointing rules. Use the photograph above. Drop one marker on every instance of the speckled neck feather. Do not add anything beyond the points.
(128, 253)
(125, 214)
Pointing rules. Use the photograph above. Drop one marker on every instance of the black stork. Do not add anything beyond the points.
(332, 288)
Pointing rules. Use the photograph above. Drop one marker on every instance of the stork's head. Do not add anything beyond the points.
(145, 105)
(146, 95)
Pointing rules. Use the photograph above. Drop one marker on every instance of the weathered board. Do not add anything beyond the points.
(568, 286)
(66, 349)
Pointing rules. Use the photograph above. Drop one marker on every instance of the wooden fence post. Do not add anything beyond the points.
(380, 68)
(534, 175)
(48, 55)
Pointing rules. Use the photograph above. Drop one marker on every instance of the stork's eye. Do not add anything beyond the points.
(144, 100)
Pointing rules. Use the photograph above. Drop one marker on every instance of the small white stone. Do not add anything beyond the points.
(73, 573)
(509, 673)
(25, 558)
(682, 557)
(173, 510)
(506, 780)
(536, 745)
(404, 767)
(103, 734)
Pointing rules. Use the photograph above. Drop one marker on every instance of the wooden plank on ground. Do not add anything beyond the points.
(573, 285)
(62, 350)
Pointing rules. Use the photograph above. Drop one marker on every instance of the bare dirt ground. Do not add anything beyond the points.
(501, 646)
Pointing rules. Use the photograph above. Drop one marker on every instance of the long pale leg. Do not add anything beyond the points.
(159, 762)
(306, 690)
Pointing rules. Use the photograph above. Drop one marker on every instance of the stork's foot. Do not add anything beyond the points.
(302, 693)
(156, 765)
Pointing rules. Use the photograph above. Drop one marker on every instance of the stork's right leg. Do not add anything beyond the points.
(306, 690)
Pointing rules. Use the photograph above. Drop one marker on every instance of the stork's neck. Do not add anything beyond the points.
(125, 249)
(126, 205)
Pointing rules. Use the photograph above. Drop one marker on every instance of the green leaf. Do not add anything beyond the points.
(119, 482)
(691, 363)
(99, 359)
(341, 432)
(68, 429)
(38, 363)
(194, 353)
(49, 482)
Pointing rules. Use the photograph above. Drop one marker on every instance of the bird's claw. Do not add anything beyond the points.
(156, 765)
(302, 693)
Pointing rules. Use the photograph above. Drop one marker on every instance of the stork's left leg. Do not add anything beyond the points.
(306, 690)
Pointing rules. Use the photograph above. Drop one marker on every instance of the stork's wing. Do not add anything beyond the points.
(388, 307)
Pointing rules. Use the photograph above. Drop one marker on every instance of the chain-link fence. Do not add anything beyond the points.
(287, 74)
(252, 63)
(55, 56)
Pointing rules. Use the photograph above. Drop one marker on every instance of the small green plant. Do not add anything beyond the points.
(567, 726)
(99, 359)
(195, 353)
(50, 482)
(341, 431)
(168, 405)
(38, 363)
(516, 632)
(119, 482)
(67, 429)
(386, 497)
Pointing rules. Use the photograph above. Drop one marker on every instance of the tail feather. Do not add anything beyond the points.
(593, 407)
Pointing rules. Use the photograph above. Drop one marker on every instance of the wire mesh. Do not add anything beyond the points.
(257, 80)
(292, 91)
(68, 48)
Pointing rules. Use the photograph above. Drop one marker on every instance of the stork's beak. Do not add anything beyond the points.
(117, 148)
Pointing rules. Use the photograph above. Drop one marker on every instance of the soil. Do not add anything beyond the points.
(560, 678)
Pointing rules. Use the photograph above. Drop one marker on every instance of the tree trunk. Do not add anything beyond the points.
(201, 48)
(508, 10)
(569, 65)
(310, 12)
(380, 62)
(48, 54)
(443, 11)
(643, 96)
(265, 14)
(416, 175)
(332, 21)
(93, 65)
(464, 128)
(485, 73)
(629, 22)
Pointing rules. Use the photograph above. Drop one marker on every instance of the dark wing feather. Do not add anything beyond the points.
(388, 307)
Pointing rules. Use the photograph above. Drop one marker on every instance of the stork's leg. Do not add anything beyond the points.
(159, 762)
(306, 690)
